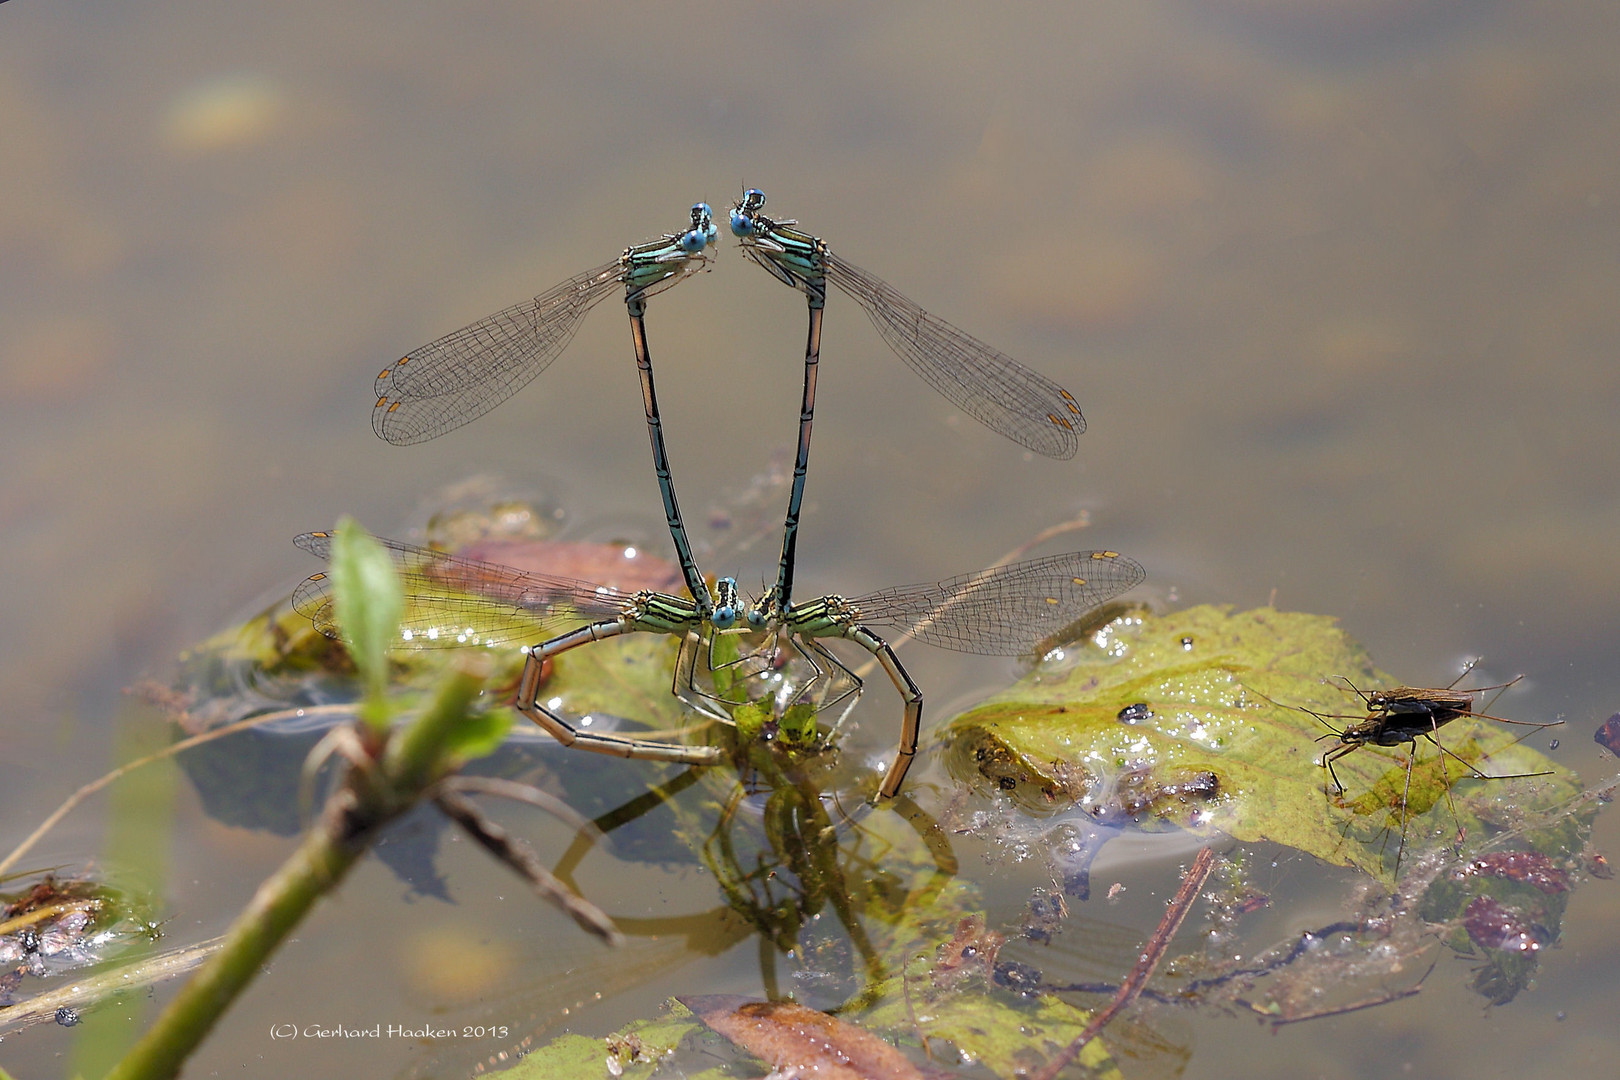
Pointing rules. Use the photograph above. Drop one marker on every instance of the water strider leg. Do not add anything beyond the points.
(1406, 808)
(528, 703)
(1334, 754)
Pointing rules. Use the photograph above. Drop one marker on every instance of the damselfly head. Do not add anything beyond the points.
(693, 241)
(703, 231)
(762, 611)
(744, 211)
(725, 603)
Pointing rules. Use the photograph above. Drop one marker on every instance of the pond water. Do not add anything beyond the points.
(1333, 283)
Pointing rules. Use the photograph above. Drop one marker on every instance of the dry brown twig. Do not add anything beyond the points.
(1197, 874)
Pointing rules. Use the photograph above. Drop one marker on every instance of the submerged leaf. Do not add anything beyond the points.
(791, 1037)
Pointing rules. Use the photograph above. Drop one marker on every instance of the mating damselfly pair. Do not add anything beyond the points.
(1004, 610)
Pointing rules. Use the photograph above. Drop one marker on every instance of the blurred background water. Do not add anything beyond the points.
(1334, 283)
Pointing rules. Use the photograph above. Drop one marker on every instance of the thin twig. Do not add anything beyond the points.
(670, 734)
(94, 786)
(515, 854)
(86, 992)
(523, 793)
(1152, 953)
(1339, 1010)
(911, 1013)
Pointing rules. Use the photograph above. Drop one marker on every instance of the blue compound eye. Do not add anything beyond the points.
(741, 223)
(756, 617)
(693, 242)
(723, 617)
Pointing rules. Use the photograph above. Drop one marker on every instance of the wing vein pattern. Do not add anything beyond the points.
(988, 385)
(463, 375)
(1006, 610)
(451, 601)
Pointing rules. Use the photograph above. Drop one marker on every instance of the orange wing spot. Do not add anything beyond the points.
(1078, 580)
(1105, 554)
(395, 405)
(403, 361)
(1058, 420)
(1065, 395)
(317, 577)
(323, 534)
(1073, 407)
(381, 402)
(387, 371)
(1051, 600)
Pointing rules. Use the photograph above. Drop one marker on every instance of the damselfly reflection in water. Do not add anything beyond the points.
(1404, 714)
(1005, 610)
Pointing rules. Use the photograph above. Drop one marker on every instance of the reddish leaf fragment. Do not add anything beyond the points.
(791, 1037)
(1608, 736)
(1494, 926)
(1599, 867)
(626, 568)
(1250, 902)
(1525, 867)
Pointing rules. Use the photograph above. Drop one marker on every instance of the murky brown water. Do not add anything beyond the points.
(1333, 282)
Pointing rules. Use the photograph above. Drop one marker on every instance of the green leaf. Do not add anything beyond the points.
(750, 720)
(1195, 720)
(369, 601)
(479, 734)
(798, 724)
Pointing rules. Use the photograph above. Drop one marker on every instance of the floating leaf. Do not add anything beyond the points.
(1196, 720)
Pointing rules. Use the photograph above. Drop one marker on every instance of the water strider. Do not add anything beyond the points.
(989, 386)
(1404, 714)
(1006, 610)
(463, 375)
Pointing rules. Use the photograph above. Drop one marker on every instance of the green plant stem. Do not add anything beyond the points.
(412, 760)
(422, 753)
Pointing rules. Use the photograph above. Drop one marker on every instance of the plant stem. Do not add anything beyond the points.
(413, 759)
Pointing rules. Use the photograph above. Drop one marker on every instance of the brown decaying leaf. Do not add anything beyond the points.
(789, 1036)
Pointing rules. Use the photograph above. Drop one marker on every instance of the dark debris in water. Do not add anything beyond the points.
(60, 925)
(1493, 925)
(1528, 867)
(1608, 736)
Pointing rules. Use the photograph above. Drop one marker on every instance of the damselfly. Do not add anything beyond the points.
(463, 375)
(988, 385)
(1004, 610)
